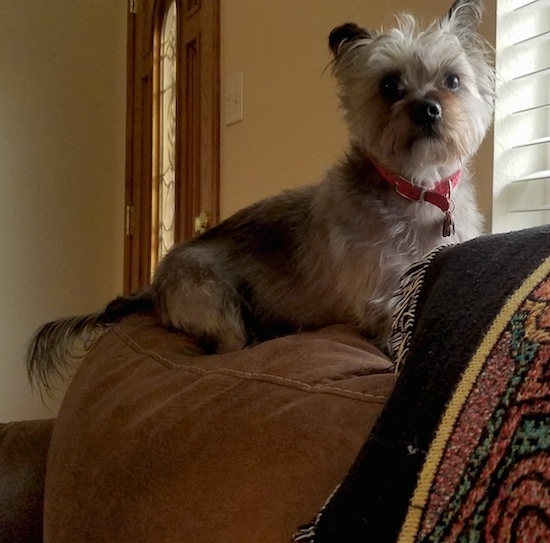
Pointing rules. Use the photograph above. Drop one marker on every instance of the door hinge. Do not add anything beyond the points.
(129, 218)
(133, 6)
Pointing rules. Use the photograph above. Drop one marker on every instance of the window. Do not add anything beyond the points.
(521, 196)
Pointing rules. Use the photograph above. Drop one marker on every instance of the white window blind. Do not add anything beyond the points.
(521, 187)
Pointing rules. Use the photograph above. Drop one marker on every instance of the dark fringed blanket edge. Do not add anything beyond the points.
(406, 302)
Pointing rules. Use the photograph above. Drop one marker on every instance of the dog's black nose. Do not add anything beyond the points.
(425, 112)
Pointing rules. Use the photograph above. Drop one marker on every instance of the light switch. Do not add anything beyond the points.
(234, 109)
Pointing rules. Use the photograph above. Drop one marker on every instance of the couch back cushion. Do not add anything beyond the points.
(23, 453)
(156, 441)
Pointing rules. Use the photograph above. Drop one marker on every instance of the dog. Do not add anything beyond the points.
(417, 103)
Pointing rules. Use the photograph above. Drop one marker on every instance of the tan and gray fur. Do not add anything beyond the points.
(331, 252)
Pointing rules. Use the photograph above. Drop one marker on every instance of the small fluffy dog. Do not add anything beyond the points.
(417, 103)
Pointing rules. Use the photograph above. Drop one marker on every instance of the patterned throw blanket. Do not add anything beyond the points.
(461, 452)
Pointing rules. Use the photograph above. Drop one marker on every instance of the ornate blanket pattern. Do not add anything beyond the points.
(487, 473)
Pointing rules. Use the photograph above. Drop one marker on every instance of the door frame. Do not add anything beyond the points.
(198, 132)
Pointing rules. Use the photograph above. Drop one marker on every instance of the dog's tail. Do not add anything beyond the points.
(55, 345)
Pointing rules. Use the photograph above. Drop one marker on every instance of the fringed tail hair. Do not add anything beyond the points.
(56, 345)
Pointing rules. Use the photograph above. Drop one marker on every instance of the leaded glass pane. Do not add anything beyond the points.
(167, 163)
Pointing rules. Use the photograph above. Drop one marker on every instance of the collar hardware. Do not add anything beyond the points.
(439, 195)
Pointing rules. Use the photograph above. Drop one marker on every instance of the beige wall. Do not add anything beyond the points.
(62, 126)
(292, 130)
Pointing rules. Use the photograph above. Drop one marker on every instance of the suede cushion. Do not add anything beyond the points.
(156, 442)
(23, 453)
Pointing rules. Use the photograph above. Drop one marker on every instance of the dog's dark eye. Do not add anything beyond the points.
(452, 82)
(391, 87)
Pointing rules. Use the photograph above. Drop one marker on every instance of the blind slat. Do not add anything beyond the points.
(531, 40)
(535, 176)
(536, 73)
(535, 4)
(529, 109)
(538, 141)
(530, 209)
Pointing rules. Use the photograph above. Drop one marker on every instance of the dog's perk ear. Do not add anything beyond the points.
(465, 14)
(346, 33)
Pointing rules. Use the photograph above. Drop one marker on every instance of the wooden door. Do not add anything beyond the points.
(178, 41)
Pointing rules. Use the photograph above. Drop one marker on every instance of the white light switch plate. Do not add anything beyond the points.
(234, 109)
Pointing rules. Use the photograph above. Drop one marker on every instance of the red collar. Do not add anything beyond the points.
(439, 195)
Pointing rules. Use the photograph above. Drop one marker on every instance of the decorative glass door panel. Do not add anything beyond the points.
(166, 174)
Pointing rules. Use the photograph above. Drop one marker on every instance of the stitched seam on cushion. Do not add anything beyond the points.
(266, 377)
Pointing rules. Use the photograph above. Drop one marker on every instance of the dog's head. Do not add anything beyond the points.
(418, 101)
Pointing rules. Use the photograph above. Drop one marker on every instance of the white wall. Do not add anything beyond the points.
(62, 132)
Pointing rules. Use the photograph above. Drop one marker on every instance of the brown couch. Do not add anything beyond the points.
(156, 442)
(23, 452)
